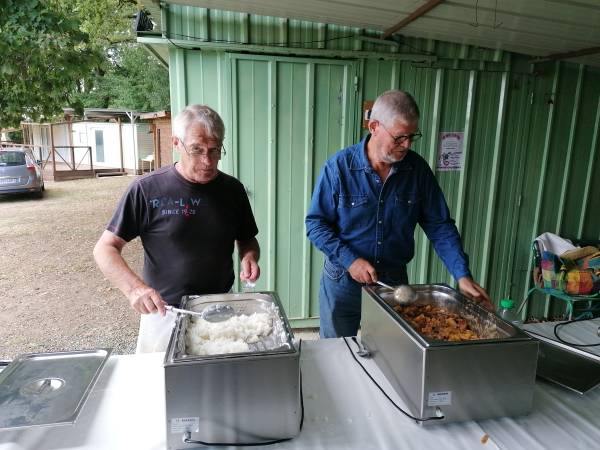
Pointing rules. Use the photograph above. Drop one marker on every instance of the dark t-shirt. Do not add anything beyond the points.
(187, 229)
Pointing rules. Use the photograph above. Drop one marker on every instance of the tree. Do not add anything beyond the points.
(45, 60)
(134, 80)
(60, 53)
(129, 77)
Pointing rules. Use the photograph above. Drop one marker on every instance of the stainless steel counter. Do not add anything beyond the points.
(343, 411)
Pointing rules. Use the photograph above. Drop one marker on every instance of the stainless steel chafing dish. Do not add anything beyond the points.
(465, 380)
(233, 398)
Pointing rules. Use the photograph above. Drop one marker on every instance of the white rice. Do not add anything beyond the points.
(230, 336)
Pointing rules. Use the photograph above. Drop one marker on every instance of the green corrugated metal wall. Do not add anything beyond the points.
(531, 140)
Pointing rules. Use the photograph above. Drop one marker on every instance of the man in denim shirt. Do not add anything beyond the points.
(364, 210)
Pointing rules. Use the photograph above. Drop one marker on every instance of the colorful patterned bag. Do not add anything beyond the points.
(581, 274)
(551, 265)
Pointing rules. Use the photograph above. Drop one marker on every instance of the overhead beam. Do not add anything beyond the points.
(566, 55)
(424, 9)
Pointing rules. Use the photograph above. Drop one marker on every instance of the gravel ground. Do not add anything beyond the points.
(52, 295)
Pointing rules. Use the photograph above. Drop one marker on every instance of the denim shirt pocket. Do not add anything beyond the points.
(406, 208)
(332, 271)
(353, 210)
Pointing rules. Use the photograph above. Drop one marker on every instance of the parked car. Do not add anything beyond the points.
(19, 172)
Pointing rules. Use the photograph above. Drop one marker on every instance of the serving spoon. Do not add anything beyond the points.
(212, 313)
(403, 294)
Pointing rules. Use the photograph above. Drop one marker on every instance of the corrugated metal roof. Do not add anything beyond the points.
(534, 27)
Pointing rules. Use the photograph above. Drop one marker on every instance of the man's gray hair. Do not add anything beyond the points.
(205, 115)
(395, 105)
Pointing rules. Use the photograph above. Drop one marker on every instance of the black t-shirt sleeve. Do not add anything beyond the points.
(128, 218)
(246, 225)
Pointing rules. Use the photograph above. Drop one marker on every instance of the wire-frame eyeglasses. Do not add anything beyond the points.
(198, 150)
(403, 137)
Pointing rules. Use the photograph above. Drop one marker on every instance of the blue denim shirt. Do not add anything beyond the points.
(353, 213)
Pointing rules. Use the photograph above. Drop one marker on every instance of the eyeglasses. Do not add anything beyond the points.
(198, 150)
(403, 137)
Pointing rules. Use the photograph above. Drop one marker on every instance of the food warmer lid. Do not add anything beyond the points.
(48, 388)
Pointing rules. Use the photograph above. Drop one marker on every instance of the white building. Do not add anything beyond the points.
(106, 140)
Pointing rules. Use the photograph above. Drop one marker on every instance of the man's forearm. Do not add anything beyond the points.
(115, 269)
(326, 239)
(249, 248)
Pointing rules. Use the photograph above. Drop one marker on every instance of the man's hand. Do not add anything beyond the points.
(249, 252)
(471, 289)
(146, 300)
(249, 269)
(362, 271)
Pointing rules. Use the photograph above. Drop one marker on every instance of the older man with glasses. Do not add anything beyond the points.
(366, 204)
(189, 216)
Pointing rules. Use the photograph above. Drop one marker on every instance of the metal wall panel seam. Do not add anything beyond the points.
(226, 102)
(290, 145)
(543, 174)
(284, 31)
(353, 117)
(520, 176)
(431, 160)
(179, 69)
(308, 183)
(539, 195)
(229, 19)
(354, 108)
(201, 80)
(361, 69)
(467, 139)
(359, 44)
(272, 68)
(235, 109)
(321, 35)
(491, 210)
(164, 20)
(395, 75)
(205, 23)
(590, 171)
(376, 76)
(189, 25)
(569, 156)
(345, 129)
(245, 29)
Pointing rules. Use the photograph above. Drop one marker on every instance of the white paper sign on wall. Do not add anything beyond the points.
(450, 154)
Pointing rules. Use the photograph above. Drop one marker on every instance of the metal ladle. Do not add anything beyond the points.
(212, 313)
(403, 294)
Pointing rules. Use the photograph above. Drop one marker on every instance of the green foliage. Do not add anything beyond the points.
(106, 22)
(135, 80)
(15, 136)
(59, 53)
(45, 56)
(129, 77)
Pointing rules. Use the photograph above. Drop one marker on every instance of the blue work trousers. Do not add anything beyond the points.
(340, 299)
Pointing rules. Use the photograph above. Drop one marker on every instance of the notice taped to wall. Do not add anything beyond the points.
(450, 154)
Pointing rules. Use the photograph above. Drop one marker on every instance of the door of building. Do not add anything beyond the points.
(288, 116)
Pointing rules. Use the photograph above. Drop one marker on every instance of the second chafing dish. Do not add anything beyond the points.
(465, 380)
